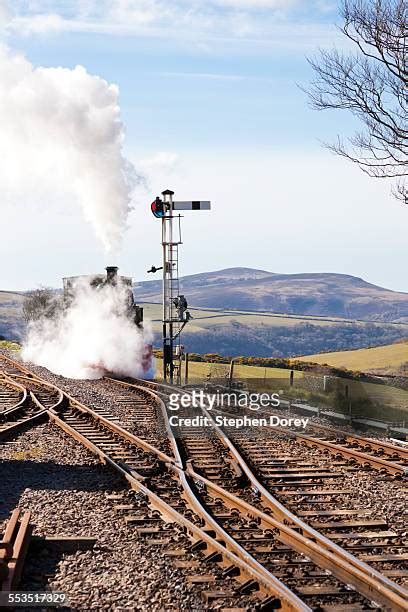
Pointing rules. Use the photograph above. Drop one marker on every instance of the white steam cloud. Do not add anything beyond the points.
(62, 137)
(61, 144)
(93, 336)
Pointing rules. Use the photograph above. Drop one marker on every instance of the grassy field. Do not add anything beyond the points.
(10, 296)
(381, 357)
(386, 403)
(199, 370)
(382, 395)
(11, 346)
(216, 321)
(367, 399)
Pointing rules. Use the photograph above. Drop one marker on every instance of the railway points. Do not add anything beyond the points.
(261, 517)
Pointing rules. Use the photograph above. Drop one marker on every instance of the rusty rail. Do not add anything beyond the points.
(31, 411)
(7, 382)
(345, 566)
(233, 554)
(350, 453)
(15, 367)
(13, 549)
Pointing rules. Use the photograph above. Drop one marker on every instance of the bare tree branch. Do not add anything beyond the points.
(40, 303)
(372, 85)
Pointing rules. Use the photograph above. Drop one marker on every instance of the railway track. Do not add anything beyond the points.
(266, 553)
(320, 495)
(225, 473)
(24, 399)
(160, 478)
(11, 366)
(378, 449)
(379, 455)
(384, 457)
(303, 486)
(12, 396)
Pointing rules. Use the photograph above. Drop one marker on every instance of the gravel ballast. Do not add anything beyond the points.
(65, 488)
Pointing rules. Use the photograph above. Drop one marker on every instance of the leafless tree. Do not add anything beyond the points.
(371, 83)
(39, 303)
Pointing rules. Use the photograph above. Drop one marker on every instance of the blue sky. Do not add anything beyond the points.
(210, 99)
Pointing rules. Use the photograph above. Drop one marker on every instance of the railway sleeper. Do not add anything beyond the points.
(348, 524)
(363, 535)
(385, 558)
(335, 512)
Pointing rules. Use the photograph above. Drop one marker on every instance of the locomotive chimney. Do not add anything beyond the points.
(111, 274)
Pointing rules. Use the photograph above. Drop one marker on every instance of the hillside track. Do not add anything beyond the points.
(267, 559)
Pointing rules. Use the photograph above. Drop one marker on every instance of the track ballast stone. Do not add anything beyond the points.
(66, 488)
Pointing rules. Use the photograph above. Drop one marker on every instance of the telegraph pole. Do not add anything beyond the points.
(175, 313)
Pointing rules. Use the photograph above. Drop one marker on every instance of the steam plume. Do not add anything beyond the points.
(61, 135)
(93, 336)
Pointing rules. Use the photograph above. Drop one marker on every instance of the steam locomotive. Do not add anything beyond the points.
(112, 279)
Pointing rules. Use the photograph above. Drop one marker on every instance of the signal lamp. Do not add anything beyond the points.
(158, 208)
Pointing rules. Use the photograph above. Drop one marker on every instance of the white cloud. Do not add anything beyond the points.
(38, 24)
(141, 12)
(258, 4)
(197, 21)
(162, 159)
(163, 163)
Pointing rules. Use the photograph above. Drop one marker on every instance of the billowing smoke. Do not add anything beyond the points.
(61, 139)
(92, 336)
(61, 145)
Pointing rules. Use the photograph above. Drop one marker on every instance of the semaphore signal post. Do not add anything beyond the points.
(175, 313)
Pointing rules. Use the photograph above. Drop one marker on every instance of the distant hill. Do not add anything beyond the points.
(272, 335)
(10, 314)
(318, 294)
(236, 312)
